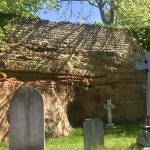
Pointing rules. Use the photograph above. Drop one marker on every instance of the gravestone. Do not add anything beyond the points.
(144, 135)
(26, 120)
(108, 107)
(93, 134)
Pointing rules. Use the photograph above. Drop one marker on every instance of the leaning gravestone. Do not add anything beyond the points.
(26, 120)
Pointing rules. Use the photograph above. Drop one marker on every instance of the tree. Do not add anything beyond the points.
(25, 7)
(10, 8)
(120, 12)
(133, 13)
(107, 8)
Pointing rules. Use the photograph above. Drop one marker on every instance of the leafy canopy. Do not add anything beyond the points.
(133, 13)
(25, 7)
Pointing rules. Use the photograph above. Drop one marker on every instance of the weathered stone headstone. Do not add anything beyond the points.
(93, 134)
(144, 136)
(108, 107)
(26, 120)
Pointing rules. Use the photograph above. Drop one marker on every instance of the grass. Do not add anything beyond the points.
(113, 141)
(73, 142)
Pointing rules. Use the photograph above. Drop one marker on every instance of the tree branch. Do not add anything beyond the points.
(101, 5)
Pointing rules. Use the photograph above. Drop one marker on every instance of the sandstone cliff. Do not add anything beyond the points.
(87, 64)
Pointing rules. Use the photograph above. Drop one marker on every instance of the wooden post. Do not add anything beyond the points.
(26, 120)
(144, 64)
(93, 134)
(144, 135)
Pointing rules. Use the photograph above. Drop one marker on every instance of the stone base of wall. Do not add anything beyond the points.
(68, 102)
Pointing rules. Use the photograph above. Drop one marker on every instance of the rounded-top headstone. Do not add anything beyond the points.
(26, 120)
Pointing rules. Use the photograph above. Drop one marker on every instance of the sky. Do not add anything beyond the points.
(83, 13)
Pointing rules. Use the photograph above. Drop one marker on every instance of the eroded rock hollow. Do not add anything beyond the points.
(77, 68)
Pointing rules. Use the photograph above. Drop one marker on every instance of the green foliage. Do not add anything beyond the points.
(142, 36)
(4, 24)
(26, 8)
(135, 15)
(72, 142)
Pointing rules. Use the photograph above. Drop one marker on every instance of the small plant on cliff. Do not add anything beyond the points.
(4, 25)
(142, 36)
(135, 17)
(26, 8)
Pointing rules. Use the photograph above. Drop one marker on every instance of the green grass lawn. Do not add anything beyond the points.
(113, 141)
